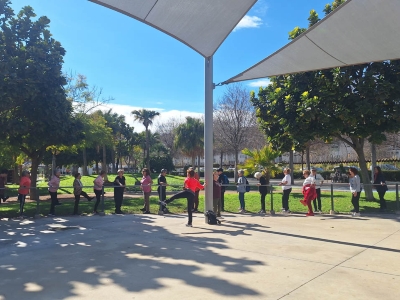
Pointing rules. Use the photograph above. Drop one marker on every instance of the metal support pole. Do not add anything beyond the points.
(208, 135)
(332, 211)
(272, 212)
(37, 214)
(102, 213)
(397, 199)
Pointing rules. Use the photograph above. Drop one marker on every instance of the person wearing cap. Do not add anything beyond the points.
(319, 180)
(119, 188)
(24, 186)
(223, 181)
(162, 187)
(262, 188)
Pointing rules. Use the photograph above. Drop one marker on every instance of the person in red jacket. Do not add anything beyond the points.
(24, 187)
(308, 191)
(190, 186)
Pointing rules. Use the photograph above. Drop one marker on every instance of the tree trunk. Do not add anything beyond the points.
(53, 163)
(104, 163)
(147, 149)
(358, 146)
(113, 171)
(236, 163)
(373, 159)
(15, 178)
(291, 165)
(308, 162)
(193, 161)
(221, 157)
(34, 194)
(84, 169)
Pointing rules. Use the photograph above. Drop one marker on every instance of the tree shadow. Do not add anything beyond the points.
(51, 258)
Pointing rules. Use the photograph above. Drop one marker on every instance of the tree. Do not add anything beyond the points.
(36, 112)
(146, 117)
(233, 118)
(263, 159)
(190, 138)
(352, 104)
(167, 130)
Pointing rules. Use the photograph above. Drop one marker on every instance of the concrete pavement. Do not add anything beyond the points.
(247, 257)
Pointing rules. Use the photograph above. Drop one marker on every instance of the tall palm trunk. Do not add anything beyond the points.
(84, 169)
(147, 148)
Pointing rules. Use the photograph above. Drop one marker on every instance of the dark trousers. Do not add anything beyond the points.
(222, 198)
(263, 200)
(196, 200)
(77, 198)
(21, 199)
(189, 195)
(76, 204)
(285, 198)
(98, 197)
(54, 201)
(355, 200)
(319, 200)
(382, 201)
(118, 197)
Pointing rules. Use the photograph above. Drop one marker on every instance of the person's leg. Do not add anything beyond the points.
(219, 207)
(84, 194)
(179, 195)
(355, 201)
(53, 197)
(98, 197)
(285, 199)
(315, 204)
(147, 201)
(196, 200)
(382, 201)
(215, 204)
(222, 199)
(318, 191)
(263, 201)
(76, 204)
(241, 200)
(310, 211)
(190, 200)
(21, 199)
(119, 194)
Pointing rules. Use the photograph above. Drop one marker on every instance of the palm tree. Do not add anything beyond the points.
(190, 138)
(261, 160)
(146, 118)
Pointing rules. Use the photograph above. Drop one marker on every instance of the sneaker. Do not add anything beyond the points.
(163, 203)
(242, 211)
(95, 212)
(261, 211)
(51, 215)
(354, 214)
(143, 209)
(5, 198)
(309, 214)
(90, 199)
(146, 212)
(195, 211)
(318, 211)
(188, 225)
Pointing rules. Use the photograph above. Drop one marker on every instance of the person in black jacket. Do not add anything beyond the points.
(162, 188)
(262, 188)
(380, 186)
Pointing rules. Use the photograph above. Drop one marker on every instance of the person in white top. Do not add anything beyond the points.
(319, 180)
(287, 189)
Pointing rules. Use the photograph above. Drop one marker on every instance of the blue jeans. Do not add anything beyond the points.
(241, 199)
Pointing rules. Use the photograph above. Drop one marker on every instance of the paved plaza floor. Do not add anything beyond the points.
(157, 257)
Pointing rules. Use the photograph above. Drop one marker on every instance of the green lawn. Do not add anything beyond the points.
(133, 201)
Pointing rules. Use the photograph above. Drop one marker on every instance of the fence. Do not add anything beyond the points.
(135, 190)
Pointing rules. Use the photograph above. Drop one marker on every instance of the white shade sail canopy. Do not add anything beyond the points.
(200, 24)
(359, 31)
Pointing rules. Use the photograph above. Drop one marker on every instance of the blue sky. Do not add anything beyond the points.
(141, 67)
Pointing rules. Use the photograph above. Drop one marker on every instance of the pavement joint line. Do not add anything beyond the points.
(338, 265)
(377, 272)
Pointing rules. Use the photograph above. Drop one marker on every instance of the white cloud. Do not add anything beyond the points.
(164, 116)
(249, 22)
(258, 83)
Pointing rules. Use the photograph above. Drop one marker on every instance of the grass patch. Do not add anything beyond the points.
(133, 202)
